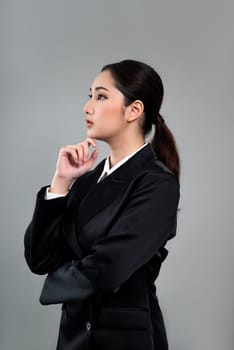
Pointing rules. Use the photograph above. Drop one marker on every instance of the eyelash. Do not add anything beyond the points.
(99, 95)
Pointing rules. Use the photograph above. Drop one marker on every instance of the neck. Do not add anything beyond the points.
(122, 148)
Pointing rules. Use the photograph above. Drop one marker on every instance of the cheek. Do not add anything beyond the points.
(111, 114)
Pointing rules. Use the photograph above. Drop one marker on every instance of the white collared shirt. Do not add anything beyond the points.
(109, 170)
(106, 169)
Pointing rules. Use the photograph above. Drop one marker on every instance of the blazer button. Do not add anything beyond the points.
(88, 326)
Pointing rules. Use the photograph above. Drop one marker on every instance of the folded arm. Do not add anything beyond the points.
(143, 227)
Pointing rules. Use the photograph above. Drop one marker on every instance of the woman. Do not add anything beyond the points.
(99, 234)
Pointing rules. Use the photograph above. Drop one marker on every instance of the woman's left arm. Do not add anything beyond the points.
(143, 227)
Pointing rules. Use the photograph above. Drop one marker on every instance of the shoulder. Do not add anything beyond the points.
(157, 172)
(156, 180)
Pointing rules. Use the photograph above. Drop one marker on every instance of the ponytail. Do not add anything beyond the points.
(164, 144)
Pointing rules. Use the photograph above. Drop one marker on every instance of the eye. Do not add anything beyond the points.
(101, 97)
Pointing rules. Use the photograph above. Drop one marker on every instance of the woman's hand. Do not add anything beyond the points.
(73, 161)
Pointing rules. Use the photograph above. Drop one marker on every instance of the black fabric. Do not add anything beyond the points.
(66, 284)
(101, 247)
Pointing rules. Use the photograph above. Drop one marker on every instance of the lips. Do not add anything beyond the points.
(89, 124)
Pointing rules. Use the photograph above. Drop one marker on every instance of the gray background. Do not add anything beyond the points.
(50, 53)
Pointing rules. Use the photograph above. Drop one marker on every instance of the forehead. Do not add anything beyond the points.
(104, 79)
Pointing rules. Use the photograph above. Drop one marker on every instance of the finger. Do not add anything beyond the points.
(85, 151)
(91, 141)
(79, 150)
(70, 151)
(94, 155)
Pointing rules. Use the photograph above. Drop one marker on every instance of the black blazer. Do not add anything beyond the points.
(102, 246)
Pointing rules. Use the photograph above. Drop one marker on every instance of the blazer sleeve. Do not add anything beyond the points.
(42, 239)
(144, 226)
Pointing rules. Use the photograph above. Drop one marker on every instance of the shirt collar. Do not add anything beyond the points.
(109, 170)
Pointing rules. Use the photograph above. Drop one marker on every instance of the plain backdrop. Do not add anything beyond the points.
(51, 51)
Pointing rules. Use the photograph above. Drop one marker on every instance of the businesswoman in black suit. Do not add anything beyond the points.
(99, 235)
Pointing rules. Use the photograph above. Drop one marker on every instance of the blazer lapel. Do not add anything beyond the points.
(93, 197)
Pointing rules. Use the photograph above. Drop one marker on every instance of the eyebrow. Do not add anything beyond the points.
(99, 88)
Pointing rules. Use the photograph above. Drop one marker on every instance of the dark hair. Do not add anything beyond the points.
(138, 80)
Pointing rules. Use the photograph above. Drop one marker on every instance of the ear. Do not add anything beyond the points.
(135, 110)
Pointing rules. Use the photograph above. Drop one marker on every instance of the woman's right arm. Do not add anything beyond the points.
(42, 240)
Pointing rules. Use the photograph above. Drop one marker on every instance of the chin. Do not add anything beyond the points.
(94, 135)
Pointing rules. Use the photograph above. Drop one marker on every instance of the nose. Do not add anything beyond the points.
(88, 109)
